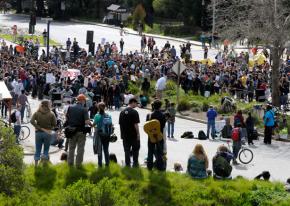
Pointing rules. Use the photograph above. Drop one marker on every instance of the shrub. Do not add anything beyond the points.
(11, 163)
(133, 88)
(170, 85)
(183, 105)
(205, 106)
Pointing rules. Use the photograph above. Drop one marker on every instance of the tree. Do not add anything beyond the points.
(263, 21)
(139, 14)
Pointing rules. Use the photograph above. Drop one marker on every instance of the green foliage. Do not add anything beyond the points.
(40, 38)
(116, 186)
(183, 105)
(11, 163)
(133, 88)
(139, 14)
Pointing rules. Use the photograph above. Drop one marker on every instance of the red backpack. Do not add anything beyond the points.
(236, 134)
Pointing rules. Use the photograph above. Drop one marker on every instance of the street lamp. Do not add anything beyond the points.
(213, 22)
(48, 20)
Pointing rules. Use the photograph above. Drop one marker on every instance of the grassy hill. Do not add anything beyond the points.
(59, 185)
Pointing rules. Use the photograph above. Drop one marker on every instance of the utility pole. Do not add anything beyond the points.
(213, 22)
(47, 44)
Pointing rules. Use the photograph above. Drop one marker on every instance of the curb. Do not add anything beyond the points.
(31, 154)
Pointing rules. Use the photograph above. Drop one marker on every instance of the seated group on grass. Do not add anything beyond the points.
(197, 165)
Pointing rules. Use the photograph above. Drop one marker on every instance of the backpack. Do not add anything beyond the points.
(13, 117)
(201, 135)
(105, 127)
(236, 134)
(187, 135)
(221, 167)
(237, 121)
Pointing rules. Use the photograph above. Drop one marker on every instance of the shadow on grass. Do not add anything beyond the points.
(45, 177)
(159, 190)
(133, 173)
(75, 174)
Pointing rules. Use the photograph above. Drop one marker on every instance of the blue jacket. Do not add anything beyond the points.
(269, 119)
(211, 114)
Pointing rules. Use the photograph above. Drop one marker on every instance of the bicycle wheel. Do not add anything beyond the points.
(24, 133)
(246, 156)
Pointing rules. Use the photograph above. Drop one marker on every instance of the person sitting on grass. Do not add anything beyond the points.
(221, 163)
(265, 175)
(197, 163)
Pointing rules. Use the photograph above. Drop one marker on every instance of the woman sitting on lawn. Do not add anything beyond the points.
(198, 163)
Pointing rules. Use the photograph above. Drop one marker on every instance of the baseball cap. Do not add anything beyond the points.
(81, 97)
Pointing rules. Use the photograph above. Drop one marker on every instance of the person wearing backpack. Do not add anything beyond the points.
(269, 122)
(237, 142)
(221, 163)
(15, 118)
(157, 149)
(104, 129)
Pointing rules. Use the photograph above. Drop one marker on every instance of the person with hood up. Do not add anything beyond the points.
(44, 122)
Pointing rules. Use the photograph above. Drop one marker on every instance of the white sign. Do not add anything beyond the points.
(72, 73)
(175, 68)
(50, 79)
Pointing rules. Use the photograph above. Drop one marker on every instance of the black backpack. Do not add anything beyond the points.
(187, 135)
(13, 117)
(221, 166)
(201, 135)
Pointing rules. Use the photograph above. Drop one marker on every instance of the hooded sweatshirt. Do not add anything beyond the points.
(43, 118)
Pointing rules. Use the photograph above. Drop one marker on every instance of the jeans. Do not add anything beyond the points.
(170, 129)
(117, 102)
(210, 125)
(104, 146)
(4, 109)
(157, 150)
(236, 148)
(78, 140)
(42, 138)
(134, 147)
(17, 129)
(22, 110)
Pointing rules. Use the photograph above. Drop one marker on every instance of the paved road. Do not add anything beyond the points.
(274, 158)
(60, 31)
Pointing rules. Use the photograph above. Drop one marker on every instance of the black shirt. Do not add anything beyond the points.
(127, 119)
(160, 117)
(77, 115)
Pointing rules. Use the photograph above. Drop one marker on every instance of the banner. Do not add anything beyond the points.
(71, 73)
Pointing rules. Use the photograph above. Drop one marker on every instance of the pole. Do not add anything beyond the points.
(47, 40)
(213, 23)
(178, 80)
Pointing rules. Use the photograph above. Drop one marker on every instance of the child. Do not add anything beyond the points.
(237, 141)
(170, 121)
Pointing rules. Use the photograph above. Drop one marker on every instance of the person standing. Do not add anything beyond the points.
(171, 120)
(211, 116)
(205, 52)
(77, 117)
(157, 149)
(104, 129)
(68, 44)
(237, 141)
(44, 122)
(22, 100)
(269, 122)
(44, 35)
(122, 45)
(250, 124)
(17, 124)
(129, 120)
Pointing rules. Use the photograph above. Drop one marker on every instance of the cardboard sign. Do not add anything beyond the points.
(71, 73)
(50, 79)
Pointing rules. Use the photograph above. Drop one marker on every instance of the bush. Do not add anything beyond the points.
(133, 88)
(11, 163)
(205, 106)
(117, 186)
(183, 105)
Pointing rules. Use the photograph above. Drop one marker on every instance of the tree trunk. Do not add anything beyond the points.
(18, 6)
(275, 76)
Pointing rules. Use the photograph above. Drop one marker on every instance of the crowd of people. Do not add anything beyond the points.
(100, 82)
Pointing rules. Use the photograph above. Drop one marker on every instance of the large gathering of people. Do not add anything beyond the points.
(90, 84)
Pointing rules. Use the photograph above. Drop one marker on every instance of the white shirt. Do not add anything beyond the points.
(18, 118)
(127, 97)
(161, 83)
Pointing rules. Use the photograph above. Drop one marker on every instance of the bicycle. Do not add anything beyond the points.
(245, 154)
(24, 131)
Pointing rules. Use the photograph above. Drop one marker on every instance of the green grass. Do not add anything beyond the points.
(60, 185)
(9, 37)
